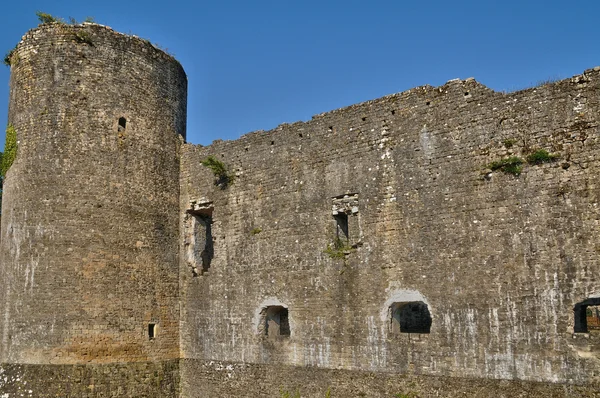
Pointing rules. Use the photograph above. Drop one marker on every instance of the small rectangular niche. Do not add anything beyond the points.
(122, 124)
(152, 329)
(410, 317)
(276, 322)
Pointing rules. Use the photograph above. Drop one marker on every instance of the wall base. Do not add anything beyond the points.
(222, 379)
(138, 379)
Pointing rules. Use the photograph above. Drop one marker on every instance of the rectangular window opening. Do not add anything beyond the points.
(277, 322)
(344, 209)
(341, 221)
(410, 317)
(199, 238)
(151, 331)
(587, 315)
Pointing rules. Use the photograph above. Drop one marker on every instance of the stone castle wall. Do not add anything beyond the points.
(90, 212)
(371, 251)
(499, 260)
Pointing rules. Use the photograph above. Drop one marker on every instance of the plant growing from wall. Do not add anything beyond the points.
(222, 175)
(338, 249)
(541, 156)
(509, 142)
(11, 58)
(287, 394)
(256, 231)
(45, 18)
(511, 165)
(10, 150)
(81, 36)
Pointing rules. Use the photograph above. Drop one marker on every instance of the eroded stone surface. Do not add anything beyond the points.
(127, 272)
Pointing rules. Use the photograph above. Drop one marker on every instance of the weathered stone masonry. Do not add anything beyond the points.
(90, 215)
(499, 261)
(370, 251)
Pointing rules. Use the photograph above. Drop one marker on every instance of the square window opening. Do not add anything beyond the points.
(276, 322)
(410, 317)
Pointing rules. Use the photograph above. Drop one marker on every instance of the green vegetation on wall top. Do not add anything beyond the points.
(45, 18)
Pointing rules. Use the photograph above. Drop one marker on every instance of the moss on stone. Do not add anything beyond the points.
(10, 150)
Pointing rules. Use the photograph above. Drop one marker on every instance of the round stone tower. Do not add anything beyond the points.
(89, 247)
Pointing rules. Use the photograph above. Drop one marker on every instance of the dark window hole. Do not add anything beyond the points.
(272, 142)
(364, 119)
(393, 112)
(151, 331)
(587, 315)
(276, 321)
(467, 93)
(410, 317)
(300, 135)
(428, 103)
(341, 221)
(122, 123)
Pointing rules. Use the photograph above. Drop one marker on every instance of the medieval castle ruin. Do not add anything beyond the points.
(438, 242)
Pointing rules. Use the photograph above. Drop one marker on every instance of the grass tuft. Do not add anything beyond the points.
(541, 156)
(511, 165)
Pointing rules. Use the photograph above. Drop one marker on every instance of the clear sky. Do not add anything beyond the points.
(252, 65)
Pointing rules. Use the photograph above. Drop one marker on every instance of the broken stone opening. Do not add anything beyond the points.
(344, 210)
(151, 331)
(122, 124)
(275, 321)
(199, 237)
(587, 315)
(410, 317)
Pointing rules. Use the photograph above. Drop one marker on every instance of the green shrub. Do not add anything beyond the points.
(511, 165)
(541, 156)
(10, 150)
(47, 18)
(222, 175)
(11, 59)
(256, 231)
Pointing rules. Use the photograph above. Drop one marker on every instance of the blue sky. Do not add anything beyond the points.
(252, 65)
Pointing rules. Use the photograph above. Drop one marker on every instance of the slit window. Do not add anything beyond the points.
(276, 321)
(151, 331)
(410, 317)
(122, 124)
(587, 315)
(341, 226)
